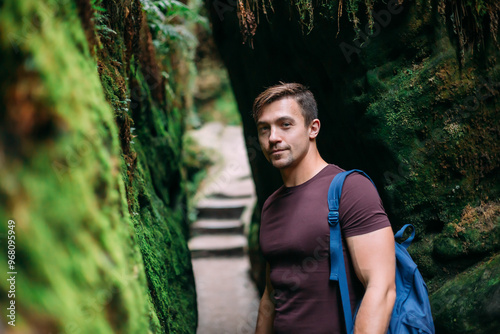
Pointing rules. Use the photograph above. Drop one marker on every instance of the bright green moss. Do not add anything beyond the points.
(101, 237)
(76, 267)
(423, 119)
(468, 303)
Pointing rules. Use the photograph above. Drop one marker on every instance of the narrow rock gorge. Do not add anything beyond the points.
(96, 172)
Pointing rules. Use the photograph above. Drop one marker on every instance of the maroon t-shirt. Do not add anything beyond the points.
(295, 240)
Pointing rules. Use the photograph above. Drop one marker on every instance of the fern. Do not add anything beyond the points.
(167, 19)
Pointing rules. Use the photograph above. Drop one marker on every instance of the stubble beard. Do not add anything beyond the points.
(282, 160)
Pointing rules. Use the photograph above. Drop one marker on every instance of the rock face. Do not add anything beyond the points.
(469, 303)
(409, 94)
(92, 175)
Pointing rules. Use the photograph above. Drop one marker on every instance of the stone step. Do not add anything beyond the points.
(222, 208)
(217, 226)
(220, 213)
(236, 188)
(230, 196)
(217, 245)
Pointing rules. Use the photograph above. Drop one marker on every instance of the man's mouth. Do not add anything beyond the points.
(277, 151)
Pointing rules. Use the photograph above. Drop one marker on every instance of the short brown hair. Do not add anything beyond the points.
(300, 93)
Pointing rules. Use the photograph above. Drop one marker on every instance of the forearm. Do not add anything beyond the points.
(265, 318)
(375, 310)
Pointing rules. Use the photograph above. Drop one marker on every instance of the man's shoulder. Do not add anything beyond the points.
(361, 208)
(358, 181)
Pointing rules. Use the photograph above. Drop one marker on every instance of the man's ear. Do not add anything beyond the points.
(314, 128)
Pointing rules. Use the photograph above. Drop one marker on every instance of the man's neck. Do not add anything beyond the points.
(303, 172)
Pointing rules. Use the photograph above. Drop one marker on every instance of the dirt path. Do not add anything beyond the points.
(227, 299)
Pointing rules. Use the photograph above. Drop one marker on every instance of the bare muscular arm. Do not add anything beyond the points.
(374, 262)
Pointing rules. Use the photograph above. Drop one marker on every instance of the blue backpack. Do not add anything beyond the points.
(412, 310)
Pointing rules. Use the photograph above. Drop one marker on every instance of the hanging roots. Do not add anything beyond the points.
(248, 26)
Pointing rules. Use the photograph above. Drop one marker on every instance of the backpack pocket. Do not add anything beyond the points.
(413, 324)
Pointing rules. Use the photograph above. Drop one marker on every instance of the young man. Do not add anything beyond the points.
(294, 234)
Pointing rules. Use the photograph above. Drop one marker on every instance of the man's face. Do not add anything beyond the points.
(283, 136)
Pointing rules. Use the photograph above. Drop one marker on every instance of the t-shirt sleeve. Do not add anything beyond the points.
(361, 210)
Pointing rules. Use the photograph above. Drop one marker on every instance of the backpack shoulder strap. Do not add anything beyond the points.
(337, 265)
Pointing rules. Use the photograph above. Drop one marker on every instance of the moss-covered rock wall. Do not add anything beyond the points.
(91, 125)
(407, 91)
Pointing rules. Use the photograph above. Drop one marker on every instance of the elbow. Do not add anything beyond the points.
(391, 296)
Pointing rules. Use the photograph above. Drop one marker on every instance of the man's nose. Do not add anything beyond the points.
(274, 136)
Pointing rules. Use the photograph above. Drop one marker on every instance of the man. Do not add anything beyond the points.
(294, 235)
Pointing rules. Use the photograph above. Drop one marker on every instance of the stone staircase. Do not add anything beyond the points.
(219, 230)
(227, 298)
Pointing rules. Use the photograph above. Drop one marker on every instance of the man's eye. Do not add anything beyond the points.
(286, 124)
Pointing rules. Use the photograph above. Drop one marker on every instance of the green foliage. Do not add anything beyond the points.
(222, 108)
(96, 6)
(226, 107)
(434, 144)
(163, 19)
(306, 13)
